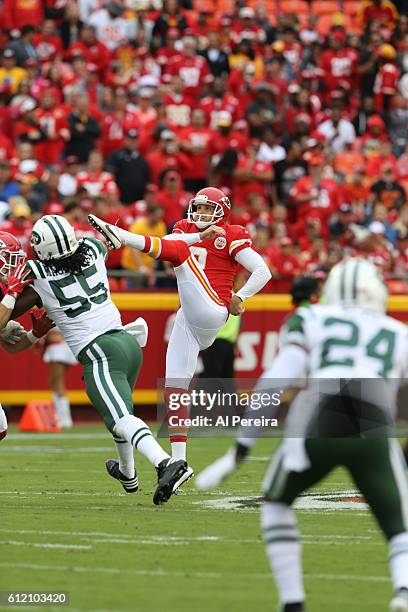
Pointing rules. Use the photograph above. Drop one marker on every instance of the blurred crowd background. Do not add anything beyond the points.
(297, 109)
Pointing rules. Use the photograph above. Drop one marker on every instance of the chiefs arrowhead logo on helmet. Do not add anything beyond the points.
(11, 253)
(209, 196)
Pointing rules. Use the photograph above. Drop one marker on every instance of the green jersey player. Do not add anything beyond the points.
(354, 357)
(69, 279)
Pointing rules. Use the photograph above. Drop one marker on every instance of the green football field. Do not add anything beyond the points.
(67, 526)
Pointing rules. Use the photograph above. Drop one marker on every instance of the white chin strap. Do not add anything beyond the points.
(203, 224)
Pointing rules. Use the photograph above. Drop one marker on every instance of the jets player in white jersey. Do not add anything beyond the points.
(354, 358)
(69, 279)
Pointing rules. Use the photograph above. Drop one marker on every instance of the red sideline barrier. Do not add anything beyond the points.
(24, 376)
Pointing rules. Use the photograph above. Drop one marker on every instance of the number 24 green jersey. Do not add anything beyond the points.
(80, 305)
(349, 342)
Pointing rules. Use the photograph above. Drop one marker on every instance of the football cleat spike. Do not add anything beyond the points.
(108, 232)
(186, 476)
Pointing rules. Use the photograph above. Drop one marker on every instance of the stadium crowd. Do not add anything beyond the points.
(297, 109)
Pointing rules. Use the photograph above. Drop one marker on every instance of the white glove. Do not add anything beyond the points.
(12, 332)
(139, 330)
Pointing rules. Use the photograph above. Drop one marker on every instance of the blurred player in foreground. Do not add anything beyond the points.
(13, 337)
(354, 357)
(305, 291)
(205, 252)
(69, 279)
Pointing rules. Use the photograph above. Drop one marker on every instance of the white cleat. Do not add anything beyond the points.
(399, 602)
(186, 476)
(109, 232)
(214, 474)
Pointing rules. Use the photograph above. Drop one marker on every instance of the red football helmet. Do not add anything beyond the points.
(11, 253)
(210, 196)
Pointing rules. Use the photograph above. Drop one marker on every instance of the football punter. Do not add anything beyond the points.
(205, 252)
(69, 279)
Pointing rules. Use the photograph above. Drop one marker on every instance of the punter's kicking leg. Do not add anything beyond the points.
(111, 363)
(203, 313)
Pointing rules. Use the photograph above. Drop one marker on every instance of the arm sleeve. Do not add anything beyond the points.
(260, 273)
(189, 239)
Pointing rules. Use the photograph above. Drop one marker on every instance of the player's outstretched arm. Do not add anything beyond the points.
(260, 273)
(210, 232)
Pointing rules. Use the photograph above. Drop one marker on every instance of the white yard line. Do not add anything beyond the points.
(46, 449)
(179, 574)
(45, 545)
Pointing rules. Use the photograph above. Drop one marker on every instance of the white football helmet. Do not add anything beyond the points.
(356, 282)
(53, 237)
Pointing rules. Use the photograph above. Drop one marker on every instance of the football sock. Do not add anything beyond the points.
(62, 409)
(398, 550)
(126, 459)
(177, 433)
(174, 251)
(178, 449)
(135, 431)
(283, 550)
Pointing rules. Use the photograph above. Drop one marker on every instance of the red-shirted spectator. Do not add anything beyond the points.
(168, 156)
(191, 68)
(339, 62)
(377, 162)
(286, 262)
(195, 140)
(251, 174)
(371, 140)
(172, 198)
(220, 101)
(92, 49)
(226, 137)
(247, 28)
(382, 11)
(386, 81)
(47, 43)
(169, 50)
(119, 121)
(94, 180)
(178, 105)
(17, 13)
(314, 193)
(52, 120)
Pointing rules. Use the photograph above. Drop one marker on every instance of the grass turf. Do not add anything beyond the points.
(66, 526)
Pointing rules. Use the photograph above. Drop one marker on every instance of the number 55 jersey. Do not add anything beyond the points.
(80, 305)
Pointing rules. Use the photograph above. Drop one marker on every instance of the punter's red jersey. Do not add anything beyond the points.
(217, 255)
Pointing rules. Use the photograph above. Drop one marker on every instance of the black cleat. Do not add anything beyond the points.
(130, 485)
(169, 472)
(294, 607)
